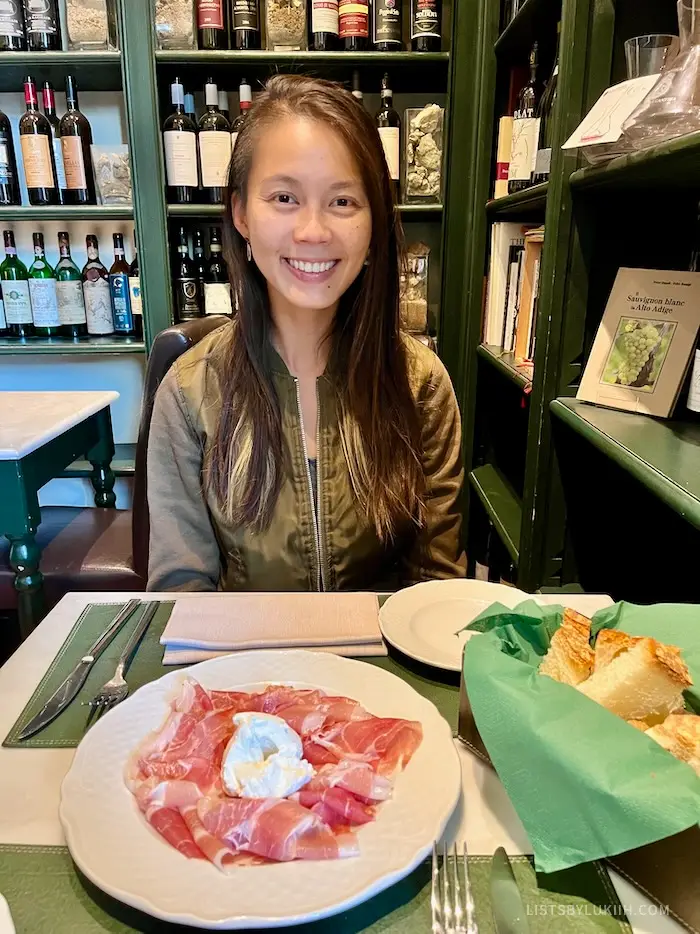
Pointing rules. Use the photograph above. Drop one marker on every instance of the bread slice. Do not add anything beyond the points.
(639, 725)
(644, 683)
(570, 656)
(609, 644)
(680, 735)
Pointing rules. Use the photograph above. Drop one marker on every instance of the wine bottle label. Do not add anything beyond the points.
(3, 320)
(353, 19)
(245, 14)
(324, 16)
(58, 162)
(36, 156)
(135, 293)
(187, 298)
(11, 19)
(41, 16)
(73, 163)
(386, 21)
(526, 133)
(215, 155)
(694, 393)
(180, 158)
(71, 304)
(7, 174)
(18, 304)
(121, 302)
(543, 162)
(389, 136)
(44, 303)
(210, 14)
(98, 307)
(217, 298)
(426, 19)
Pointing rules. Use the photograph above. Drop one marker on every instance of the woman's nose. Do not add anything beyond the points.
(311, 226)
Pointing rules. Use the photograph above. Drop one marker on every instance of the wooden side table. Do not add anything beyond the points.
(41, 433)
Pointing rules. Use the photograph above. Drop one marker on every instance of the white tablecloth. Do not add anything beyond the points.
(30, 779)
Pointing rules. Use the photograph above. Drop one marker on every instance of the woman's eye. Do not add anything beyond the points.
(283, 198)
(343, 202)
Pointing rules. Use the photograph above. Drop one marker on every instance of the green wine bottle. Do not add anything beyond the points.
(69, 289)
(42, 289)
(15, 291)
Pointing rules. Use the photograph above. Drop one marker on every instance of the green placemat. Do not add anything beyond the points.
(46, 894)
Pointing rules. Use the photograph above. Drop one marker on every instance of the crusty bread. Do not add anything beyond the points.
(570, 656)
(639, 725)
(644, 683)
(680, 735)
(609, 644)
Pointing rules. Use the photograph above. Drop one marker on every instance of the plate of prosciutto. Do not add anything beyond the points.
(261, 789)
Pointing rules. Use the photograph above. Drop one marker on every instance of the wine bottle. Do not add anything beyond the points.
(15, 291)
(525, 132)
(245, 21)
(42, 291)
(353, 24)
(12, 27)
(545, 114)
(426, 25)
(387, 26)
(76, 139)
(389, 129)
(135, 292)
(69, 292)
(200, 263)
(50, 112)
(324, 25)
(245, 97)
(214, 146)
(223, 104)
(188, 298)
(356, 89)
(119, 290)
(217, 290)
(9, 181)
(180, 143)
(35, 140)
(189, 107)
(42, 26)
(98, 305)
(3, 320)
(211, 23)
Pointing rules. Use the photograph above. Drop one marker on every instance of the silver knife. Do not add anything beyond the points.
(507, 906)
(67, 691)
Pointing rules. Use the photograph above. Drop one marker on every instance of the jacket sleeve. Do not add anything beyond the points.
(437, 551)
(183, 553)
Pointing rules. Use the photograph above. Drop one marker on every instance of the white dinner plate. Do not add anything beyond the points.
(115, 848)
(423, 621)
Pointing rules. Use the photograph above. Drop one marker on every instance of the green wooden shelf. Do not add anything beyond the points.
(671, 165)
(263, 57)
(123, 463)
(663, 455)
(65, 212)
(95, 71)
(502, 504)
(58, 345)
(525, 27)
(532, 202)
(216, 210)
(505, 364)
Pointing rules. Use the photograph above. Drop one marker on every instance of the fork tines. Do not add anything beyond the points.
(451, 900)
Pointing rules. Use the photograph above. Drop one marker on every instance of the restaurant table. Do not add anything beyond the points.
(30, 779)
(41, 433)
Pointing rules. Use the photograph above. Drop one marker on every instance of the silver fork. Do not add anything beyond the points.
(116, 689)
(451, 898)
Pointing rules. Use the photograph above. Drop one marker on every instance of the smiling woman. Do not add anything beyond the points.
(309, 444)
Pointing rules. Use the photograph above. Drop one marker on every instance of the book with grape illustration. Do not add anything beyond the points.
(644, 343)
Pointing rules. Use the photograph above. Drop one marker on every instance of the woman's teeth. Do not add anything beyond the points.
(312, 267)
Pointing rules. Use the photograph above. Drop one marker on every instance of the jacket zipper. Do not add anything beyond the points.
(315, 502)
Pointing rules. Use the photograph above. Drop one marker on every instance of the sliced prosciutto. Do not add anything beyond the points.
(387, 745)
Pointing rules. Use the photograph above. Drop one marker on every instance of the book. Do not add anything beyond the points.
(527, 305)
(502, 234)
(505, 139)
(513, 291)
(644, 343)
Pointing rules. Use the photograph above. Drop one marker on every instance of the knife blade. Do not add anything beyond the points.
(67, 691)
(507, 906)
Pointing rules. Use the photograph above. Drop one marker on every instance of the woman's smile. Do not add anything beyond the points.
(315, 271)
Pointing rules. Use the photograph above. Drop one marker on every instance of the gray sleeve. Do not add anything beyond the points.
(184, 552)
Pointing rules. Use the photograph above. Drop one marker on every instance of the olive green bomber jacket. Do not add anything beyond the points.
(194, 548)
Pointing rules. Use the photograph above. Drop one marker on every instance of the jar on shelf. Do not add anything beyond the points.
(413, 293)
(87, 22)
(422, 183)
(175, 24)
(285, 21)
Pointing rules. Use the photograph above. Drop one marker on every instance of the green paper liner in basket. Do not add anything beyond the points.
(585, 784)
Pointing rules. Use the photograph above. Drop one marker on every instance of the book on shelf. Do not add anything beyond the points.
(505, 139)
(644, 343)
(529, 294)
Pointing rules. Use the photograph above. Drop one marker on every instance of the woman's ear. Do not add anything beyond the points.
(239, 221)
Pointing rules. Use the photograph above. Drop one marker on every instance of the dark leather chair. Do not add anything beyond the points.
(106, 549)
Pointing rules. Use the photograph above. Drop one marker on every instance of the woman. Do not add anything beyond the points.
(308, 445)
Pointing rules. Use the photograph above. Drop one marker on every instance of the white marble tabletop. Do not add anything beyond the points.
(30, 419)
(30, 779)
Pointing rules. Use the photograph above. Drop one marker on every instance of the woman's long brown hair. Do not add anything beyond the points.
(378, 420)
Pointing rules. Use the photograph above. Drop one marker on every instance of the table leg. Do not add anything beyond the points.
(25, 556)
(100, 456)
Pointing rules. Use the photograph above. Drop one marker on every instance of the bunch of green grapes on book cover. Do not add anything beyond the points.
(636, 344)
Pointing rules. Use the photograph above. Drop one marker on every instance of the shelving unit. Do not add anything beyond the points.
(61, 345)
(505, 364)
(502, 504)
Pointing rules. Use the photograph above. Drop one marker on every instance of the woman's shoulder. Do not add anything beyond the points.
(426, 371)
(193, 379)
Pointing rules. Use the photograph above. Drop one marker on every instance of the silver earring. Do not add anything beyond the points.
(366, 263)
(248, 251)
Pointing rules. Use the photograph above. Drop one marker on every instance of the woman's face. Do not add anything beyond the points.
(307, 216)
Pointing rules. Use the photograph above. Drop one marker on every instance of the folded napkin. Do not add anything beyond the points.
(6, 924)
(343, 623)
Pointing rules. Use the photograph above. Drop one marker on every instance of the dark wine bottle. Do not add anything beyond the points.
(387, 26)
(356, 89)
(200, 263)
(9, 181)
(188, 296)
(324, 25)
(42, 25)
(214, 146)
(217, 289)
(353, 25)
(69, 291)
(523, 150)
(119, 290)
(15, 291)
(37, 155)
(245, 24)
(245, 97)
(49, 99)
(545, 114)
(98, 303)
(211, 24)
(180, 143)
(76, 139)
(223, 104)
(426, 25)
(389, 128)
(12, 27)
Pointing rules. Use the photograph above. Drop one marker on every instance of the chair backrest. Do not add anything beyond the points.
(167, 347)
